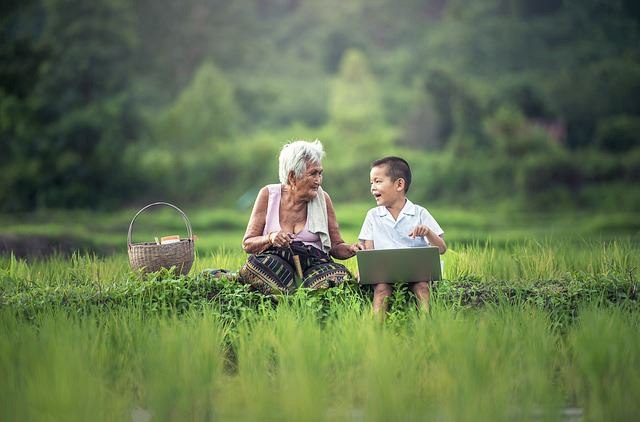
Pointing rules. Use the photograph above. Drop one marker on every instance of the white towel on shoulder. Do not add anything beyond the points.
(318, 219)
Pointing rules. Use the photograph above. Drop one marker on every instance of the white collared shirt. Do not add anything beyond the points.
(388, 233)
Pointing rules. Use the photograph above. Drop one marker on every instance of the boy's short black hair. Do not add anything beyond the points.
(398, 168)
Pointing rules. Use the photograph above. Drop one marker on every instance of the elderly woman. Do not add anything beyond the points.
(293, 220)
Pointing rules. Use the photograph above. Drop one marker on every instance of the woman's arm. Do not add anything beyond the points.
(339, 249)
(253, 241)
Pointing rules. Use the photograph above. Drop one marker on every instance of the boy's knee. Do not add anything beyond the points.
(382, 289)
(420, 288)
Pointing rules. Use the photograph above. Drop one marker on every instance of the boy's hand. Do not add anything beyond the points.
(419, 230)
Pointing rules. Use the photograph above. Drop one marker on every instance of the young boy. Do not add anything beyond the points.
(396, 222)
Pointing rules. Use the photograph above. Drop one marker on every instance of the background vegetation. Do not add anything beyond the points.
(111, 102)
(521, 121)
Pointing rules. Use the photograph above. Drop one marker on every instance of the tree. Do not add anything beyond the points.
(205, 110)
(83, 102)
(514, 136)
(356, 127)
(459, 112)
(20, 59)
(355, 99)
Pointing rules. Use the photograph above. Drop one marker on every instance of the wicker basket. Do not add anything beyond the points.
(150, 257)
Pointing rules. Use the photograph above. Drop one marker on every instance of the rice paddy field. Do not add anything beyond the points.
(537, 318)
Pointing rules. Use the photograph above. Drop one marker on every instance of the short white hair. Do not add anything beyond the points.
(294, 157)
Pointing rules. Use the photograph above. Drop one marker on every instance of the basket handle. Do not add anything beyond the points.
(184, 217)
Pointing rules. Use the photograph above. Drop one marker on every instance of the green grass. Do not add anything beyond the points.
(516, 262)
(536, 319)
(500, 363)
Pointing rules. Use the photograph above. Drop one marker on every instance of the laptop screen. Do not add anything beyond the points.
(406, 265)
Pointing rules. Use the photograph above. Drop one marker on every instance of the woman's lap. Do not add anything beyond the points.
(324, 275)
(272, 271)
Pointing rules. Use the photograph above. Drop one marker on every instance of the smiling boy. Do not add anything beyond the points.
(397, 222)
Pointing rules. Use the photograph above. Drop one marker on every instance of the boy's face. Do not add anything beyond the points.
(385, 191)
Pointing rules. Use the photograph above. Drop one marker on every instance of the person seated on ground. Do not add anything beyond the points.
(295, 218)
(397, 222)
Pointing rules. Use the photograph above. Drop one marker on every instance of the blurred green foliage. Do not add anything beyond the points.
(118, 101)
(205, 110)
(71, 119)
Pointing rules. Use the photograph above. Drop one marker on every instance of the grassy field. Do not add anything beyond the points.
(537, 319)
(223, 228)
(501, 363)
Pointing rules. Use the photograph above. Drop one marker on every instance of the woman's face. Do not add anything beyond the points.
(307, 185)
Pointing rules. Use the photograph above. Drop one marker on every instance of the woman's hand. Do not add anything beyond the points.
(280, 239)
(356, 247)
(352, 249)
(345, 250)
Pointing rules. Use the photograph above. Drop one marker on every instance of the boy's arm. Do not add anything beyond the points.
(436, 240)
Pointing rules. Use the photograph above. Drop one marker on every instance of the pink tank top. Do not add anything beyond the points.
(272, 223)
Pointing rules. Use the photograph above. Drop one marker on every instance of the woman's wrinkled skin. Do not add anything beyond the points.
(296, 195)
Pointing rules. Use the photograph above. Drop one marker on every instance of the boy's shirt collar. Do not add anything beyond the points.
(408, 209)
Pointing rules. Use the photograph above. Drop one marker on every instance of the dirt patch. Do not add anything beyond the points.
(43, 246)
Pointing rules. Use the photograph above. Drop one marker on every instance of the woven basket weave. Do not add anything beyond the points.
(150, 257)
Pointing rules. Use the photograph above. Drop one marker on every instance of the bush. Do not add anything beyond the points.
(513, 135)
(458, 108)
(164, 293)
(480, 177)
(631, 166)
(611, 196)
(548, 181)
(618, 133)
(214, 173)
(599, 167)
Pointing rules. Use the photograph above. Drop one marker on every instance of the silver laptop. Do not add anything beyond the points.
(399, 265)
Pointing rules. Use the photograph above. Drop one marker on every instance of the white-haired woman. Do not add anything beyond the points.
(295, 218)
